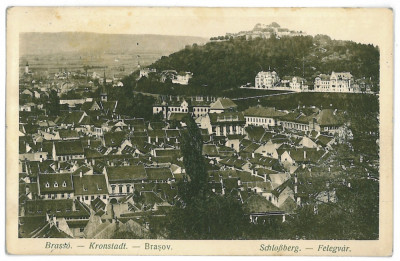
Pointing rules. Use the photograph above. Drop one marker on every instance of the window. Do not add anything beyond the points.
(92, 197)
(64, 184)
(55, 184)
(47, 185)
(62, 195)
(48, 195)
(81, 229)
(86, 197)
(104, 196)
(120, 189)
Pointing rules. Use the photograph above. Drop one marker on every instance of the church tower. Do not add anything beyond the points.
(27, 68)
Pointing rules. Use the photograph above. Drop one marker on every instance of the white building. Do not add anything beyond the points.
(262, 116)
(336, 82)
(182, 78)
(266, 80)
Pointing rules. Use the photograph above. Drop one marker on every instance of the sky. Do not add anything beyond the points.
(359, 25)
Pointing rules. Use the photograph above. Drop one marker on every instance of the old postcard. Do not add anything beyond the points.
(199, 131)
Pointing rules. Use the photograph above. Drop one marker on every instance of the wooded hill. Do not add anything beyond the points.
(223, 65)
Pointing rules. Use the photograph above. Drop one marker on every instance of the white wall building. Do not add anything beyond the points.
(266, 80)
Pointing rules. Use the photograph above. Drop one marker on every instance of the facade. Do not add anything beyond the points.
(222, 124)
(336, 82)
(266, 80)
(67, 150)
(262, 116)
(122, 180)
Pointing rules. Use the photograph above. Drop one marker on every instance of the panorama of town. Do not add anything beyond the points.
(88, 169)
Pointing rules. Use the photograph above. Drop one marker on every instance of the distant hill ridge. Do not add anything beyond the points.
(84, 42)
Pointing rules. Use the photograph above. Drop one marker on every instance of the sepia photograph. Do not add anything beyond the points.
(153, 131)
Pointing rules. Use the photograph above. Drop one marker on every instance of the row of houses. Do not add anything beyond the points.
(342, 82)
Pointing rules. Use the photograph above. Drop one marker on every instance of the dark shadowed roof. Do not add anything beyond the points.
(90, 184)
(126, 173)
(68, 148)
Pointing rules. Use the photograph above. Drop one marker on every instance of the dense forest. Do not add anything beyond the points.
(224, 65)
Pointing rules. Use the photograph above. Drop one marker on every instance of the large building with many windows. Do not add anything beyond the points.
(336, 82)
(266, 80)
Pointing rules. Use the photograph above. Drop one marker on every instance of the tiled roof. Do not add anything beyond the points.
(68, 134)
(56, 183)
(90, 185)
(266, 112)
(68, 148)
(259, 204)
(223, 104)
(126, 173)
(159, 173)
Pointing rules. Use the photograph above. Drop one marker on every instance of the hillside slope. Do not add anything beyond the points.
(228, 64)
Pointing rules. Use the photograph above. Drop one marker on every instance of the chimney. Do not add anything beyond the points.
(88, 142)
(295, 189)
(305, 154)
(80, 174)
(295, 179)
(265, 177)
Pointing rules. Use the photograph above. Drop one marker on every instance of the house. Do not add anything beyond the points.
(182, 78)
(67, 150)
(27, 92)
(55, 186)
(298, 121)
(301, 156)
(67, 215)
(268, 150)
(266, 80)
(227, 123)
(159, 175)
(306, 142)
(68, 134)
(200, 108)
(27, 106)
(72, 103)
(72, 119)
(222, 105)
(330, 121)
(258, 208)
(122, 179)
(298, 84)
(262, 116)
(89, 187)
(144, 72)
(336, 82)
(172, 106)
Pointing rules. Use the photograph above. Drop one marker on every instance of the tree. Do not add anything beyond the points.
(202, 214)
(192, 148)
(53, 106)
